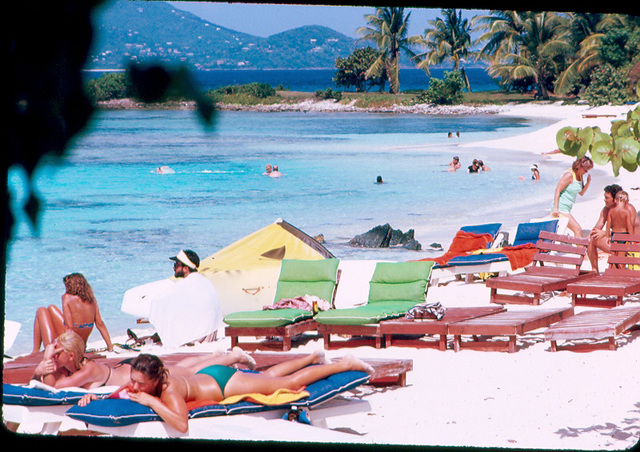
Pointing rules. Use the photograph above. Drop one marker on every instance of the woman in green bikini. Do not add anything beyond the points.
(571, 185)
(153, 386)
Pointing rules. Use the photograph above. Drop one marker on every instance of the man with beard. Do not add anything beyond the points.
(190, 309)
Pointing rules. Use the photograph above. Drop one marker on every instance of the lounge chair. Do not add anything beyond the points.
(507, 323)
(500, 261)
(298, 278)
(620, 279)
(540, 278)
(591, 327)
(395, 287)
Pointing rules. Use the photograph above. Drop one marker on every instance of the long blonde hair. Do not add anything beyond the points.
(73, 343)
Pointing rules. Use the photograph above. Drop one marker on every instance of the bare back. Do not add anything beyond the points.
(79, 315)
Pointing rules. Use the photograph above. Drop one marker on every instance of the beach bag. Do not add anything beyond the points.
(426, 310)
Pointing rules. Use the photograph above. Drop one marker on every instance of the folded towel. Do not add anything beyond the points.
(305, 303)
(426, 310)
(280, 397)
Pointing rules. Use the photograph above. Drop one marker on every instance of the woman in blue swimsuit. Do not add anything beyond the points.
(167, 395)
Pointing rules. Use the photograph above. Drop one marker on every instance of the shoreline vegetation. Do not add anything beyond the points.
(292, 101)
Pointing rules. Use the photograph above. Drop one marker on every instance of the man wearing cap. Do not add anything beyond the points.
(190, 309)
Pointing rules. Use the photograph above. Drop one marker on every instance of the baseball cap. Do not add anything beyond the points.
(188, 258)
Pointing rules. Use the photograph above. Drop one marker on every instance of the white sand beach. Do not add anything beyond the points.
(532, 399)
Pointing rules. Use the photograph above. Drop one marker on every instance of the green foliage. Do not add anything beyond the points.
(445, 92)
(254, 89)
(621, 147)
(608, 85)
(329, 94)
(114, 85)
(351, 71)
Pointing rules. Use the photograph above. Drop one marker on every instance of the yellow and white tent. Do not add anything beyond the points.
(244, 273)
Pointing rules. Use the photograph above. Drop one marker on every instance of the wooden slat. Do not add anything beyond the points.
(561, 247)
(597, 324)
(558, 259)
(564, 238)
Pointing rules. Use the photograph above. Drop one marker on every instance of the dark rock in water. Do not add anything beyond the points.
(412, 245)
(436, 245)
(384, 236)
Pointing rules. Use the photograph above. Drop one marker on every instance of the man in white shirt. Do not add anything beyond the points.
(189, 310)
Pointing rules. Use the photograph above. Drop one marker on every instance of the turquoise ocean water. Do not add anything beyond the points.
(108, 215)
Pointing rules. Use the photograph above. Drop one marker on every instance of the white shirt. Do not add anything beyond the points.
(187, 311)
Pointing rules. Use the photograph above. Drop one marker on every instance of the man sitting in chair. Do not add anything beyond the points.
(190, 310)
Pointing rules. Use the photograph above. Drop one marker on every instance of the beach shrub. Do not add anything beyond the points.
(447, 91)
(329, 94)
(609, 85)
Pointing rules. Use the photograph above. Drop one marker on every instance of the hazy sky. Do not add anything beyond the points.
(267, 19)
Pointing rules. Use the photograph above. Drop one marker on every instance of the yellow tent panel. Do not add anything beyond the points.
(246, 272)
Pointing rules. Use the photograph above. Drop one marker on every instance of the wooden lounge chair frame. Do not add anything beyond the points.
(404, 332)
(595, 325)
(617, 281)
(359, 334)
(508, 323)
(285, 333)
(544, 274)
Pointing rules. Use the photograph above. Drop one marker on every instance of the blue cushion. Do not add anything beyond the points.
(529, 232)
(121, 412)
(476, 259)
(489, 228)
(28, 396)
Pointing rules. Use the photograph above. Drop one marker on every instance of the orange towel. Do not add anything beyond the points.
(520, 255)
(463, 243)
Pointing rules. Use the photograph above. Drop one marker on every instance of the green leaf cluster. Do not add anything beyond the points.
(621, 146)
(447, 91)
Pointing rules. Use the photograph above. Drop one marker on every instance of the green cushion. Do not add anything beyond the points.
(297, 278)
(363, 315)
(400, 281)
(267, 318)
(307, 277)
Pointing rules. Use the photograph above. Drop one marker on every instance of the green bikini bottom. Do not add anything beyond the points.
(221, 374)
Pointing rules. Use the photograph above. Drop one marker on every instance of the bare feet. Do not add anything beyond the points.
(354, 363)
(244, 358)
(319, 357)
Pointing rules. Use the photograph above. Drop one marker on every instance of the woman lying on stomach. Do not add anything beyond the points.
(64, 365)
(151, 384)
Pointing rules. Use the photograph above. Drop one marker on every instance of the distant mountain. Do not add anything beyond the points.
(143, 31)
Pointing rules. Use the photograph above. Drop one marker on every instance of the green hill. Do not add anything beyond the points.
(147, 31)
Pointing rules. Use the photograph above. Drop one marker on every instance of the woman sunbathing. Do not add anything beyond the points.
(153, 385)
(64, 365)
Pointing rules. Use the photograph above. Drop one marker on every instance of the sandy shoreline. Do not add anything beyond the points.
(532, 399)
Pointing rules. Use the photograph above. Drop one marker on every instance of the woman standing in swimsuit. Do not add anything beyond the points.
(571, 185)
(80, 313)
(152, 385)
(64, 365)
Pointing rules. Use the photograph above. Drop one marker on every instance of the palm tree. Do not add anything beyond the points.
(524, 45)
(388, 29)
(447, 38)
(586, 32)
